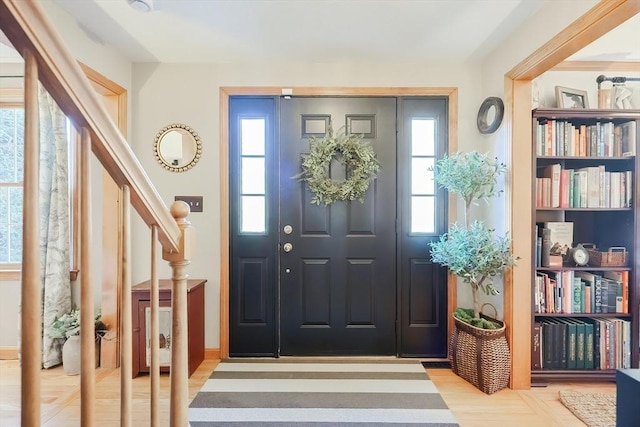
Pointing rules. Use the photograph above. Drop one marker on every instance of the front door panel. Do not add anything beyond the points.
(338, 281)
(350, 278)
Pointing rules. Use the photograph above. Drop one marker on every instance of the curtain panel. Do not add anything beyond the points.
(54, 223)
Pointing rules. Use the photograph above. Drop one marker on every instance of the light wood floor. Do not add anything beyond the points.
(538, 407)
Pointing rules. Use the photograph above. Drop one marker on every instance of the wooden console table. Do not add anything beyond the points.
(140, 306)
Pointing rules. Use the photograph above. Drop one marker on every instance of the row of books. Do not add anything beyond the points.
(588, 187)
(602, 139)
(586, 343)
(581, 292)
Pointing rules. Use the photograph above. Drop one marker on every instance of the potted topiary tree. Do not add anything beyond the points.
(476, 254)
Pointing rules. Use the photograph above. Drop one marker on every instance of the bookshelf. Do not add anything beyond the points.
(585, 318)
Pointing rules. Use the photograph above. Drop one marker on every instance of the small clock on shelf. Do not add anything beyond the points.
(579, 255)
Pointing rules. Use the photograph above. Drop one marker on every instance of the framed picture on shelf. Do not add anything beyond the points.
(571, 98)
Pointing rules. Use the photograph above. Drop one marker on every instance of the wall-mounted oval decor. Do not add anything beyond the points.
(177, 147)
(490, 115)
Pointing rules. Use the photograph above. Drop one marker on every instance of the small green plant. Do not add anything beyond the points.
(473, 251)
(68, 325)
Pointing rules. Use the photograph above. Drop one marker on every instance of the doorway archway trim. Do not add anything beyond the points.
(225, 92)
(602, 18)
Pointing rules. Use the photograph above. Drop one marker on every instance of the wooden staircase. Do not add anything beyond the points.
(48, 61)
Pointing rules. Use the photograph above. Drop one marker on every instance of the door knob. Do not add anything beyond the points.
(288, 247)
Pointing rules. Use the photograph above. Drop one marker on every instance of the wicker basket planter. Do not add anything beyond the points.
(481, 356)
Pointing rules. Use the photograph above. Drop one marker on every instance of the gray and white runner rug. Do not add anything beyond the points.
(319, 393)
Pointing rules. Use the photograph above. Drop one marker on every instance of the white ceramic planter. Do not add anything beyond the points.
(71, 355)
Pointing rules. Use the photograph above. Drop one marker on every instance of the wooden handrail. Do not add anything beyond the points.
(28, 28)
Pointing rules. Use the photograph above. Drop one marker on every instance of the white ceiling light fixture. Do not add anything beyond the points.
(141, 5)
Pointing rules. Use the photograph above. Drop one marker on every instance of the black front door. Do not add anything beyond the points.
(338, 269)
(355, 278)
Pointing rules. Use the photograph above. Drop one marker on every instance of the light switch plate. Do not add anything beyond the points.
(194, 202)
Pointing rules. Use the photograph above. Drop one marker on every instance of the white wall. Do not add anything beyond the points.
(9, 316)
(161, 94)
(543, 87)
(102, 58)
(158, 100)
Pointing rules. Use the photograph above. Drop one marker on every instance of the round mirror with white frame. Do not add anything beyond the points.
(177, 147)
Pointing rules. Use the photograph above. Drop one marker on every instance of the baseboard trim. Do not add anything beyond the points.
(8, 353)
(212, 354)
(11, 353)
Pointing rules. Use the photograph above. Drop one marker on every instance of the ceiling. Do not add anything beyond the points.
(370, 31)
(303, 30)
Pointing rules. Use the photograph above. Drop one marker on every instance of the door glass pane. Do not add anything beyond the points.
(423, 187)
(423, 214)
(252, 137)
(423, 137)
(421, 177)
(253, 177)
(253, 214)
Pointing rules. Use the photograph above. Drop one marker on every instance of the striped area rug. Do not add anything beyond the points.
(319, 393)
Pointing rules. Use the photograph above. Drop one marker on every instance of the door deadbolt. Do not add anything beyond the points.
(288, 247)
(287, 229)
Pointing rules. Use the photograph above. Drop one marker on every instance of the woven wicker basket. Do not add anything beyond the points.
(615, 256)
(481, 356)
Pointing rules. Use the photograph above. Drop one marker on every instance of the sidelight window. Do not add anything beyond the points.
(423, 188)
(253, 175)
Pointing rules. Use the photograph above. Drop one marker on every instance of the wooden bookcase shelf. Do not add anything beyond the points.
(604, 226)
(585, 209)
(573, 375)
(579, 315)
(592, 269)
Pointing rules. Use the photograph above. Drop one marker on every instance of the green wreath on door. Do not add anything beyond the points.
(349, 149)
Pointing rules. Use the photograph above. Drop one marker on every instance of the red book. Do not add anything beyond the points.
(565, 182)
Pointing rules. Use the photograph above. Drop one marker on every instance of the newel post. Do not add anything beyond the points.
(179, 407)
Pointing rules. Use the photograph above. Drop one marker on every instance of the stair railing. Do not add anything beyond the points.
(48, 61)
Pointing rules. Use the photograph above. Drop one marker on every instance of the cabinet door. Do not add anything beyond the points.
(144, 344)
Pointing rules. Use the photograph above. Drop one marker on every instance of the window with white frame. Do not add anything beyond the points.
(11, 185)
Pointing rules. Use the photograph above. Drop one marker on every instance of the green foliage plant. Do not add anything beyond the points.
(472, 251)
(357, 155)
(68, 325)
